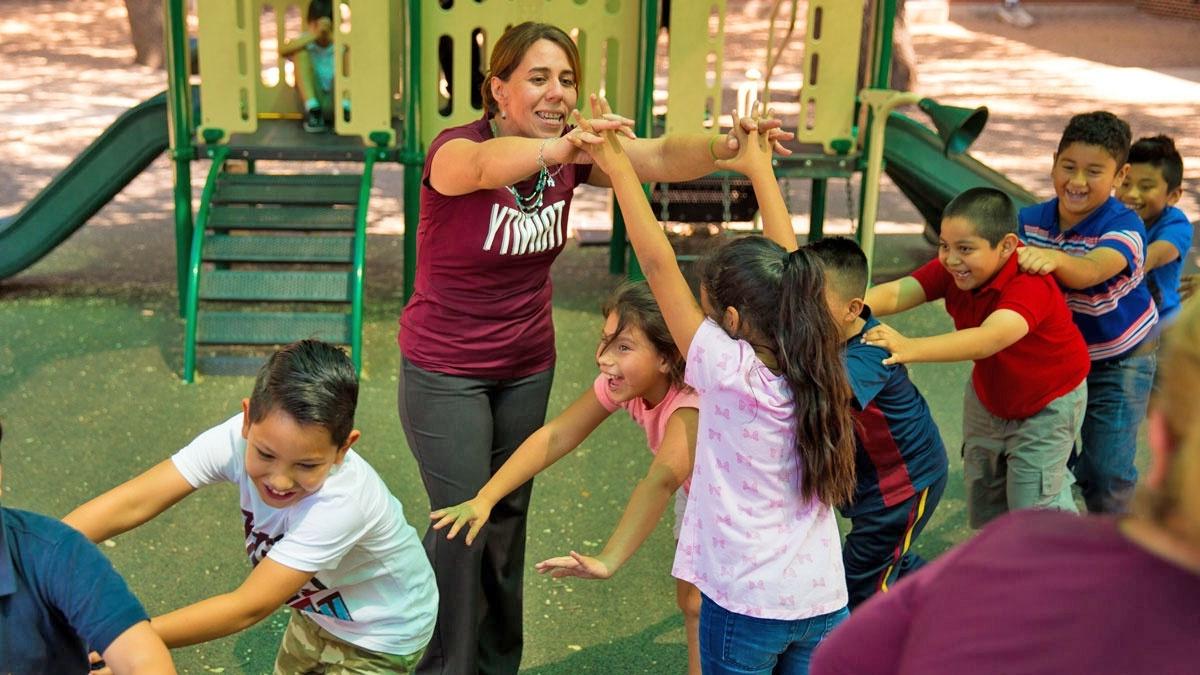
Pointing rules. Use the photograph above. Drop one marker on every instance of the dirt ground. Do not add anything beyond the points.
(90, 344)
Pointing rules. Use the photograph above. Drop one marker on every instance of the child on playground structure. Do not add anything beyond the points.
(1152, 188)
(1024, 403)
(313, 57)
(900, 461)
(323, 533)
(774, 446)
(1095, 248)
(641, 371)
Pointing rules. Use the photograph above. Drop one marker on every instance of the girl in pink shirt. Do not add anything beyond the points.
(775, 445)
(641, 371)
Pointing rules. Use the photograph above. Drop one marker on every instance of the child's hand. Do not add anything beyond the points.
(597, 137)
(890, 339)
(769, 126)
(575, 565)
(1036, 260)
(474, 512)
(754, 150)
(575, 146)
(1187, 285)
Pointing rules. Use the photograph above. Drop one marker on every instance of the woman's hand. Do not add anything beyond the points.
(474, 512)
(575, 565)
(768, 125)
(603, 152)
(572, 147)
(754, 150)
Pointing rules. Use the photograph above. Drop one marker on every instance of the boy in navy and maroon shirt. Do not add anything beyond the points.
(1025, 401)
(1095, 248)
(900, 460)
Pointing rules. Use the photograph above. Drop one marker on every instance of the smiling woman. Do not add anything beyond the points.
(476, 339)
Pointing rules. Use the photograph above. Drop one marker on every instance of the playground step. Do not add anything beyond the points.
(268, 328)
(280, 218)
(275, 286)
(290, 249)
(287, 189)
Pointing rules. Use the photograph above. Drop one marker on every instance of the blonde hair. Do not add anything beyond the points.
(1176, 503)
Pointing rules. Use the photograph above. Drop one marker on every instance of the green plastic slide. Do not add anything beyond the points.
(914, 161)
(119, 154)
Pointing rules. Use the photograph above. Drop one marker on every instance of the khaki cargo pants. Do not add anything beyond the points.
(308, 648)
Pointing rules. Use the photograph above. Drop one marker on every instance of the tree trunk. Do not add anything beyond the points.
(146, 31)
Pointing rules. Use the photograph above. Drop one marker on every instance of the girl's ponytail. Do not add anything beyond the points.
(810, 355)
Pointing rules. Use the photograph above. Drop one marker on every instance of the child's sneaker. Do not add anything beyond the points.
(1015, 15)
(314, 121)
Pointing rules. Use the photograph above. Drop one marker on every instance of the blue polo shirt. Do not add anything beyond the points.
(59, 597)
(1172, 227)
(900, 450)
(1114, 316)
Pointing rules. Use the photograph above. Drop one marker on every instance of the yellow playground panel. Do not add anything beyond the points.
(243, 77)
(607, 32)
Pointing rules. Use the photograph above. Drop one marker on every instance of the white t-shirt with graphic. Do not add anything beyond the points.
(749, 541)
(373, 586)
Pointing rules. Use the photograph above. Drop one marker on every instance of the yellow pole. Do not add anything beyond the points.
(882, 101)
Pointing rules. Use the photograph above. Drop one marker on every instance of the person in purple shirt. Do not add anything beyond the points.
(1051, 592)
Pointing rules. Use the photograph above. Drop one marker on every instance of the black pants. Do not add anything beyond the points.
(878, 551)
(461, 430)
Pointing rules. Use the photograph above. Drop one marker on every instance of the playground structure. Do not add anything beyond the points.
(266, 258)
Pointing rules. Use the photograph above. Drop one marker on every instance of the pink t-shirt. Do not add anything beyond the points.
(652, 420)
(749, 541)
(481, 299)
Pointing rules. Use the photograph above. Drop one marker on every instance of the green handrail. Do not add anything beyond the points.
(182, 150)
(642, 120)
(360, 256)
(412, 156)
(192, 306)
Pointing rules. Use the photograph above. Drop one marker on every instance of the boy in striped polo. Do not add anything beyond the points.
(1095, 247)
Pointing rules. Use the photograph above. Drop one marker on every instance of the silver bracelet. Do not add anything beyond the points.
(542, 163)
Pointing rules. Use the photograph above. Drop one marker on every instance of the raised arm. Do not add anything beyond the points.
(669, 470)
(657, 259)
(998, 331)
(894, 297)
(543, 448)
(130, 504)
(1072, 271)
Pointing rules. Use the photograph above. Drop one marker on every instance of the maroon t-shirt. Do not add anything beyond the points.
(1034, 592)
(481, 300)
(1051, 360)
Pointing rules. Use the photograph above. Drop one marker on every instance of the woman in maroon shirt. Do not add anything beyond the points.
(1052, 592)
(477, 339)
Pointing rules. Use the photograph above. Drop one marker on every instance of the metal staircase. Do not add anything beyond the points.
(277, 258)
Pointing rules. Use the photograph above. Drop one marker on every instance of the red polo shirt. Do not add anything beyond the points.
(1050, 361)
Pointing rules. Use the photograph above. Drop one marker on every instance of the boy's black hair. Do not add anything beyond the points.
(1100, 128)
(988, 209)
(313, 382)
(319, 9)
(844, 263)
(1159, 151)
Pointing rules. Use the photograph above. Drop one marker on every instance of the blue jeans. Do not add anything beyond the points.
(1117, 395)
(738, 644)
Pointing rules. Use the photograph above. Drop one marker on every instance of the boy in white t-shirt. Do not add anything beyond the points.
(324, 534)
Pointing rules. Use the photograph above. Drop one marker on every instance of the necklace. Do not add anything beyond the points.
(531, 203)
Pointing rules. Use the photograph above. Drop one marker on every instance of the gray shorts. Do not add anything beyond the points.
(1018, 464)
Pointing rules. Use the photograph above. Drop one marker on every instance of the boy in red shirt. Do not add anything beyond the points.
(1025, 402)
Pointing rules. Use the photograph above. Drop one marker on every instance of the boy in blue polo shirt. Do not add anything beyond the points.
(1096, 249)
(1025, 400)
(60, 598)
(900, 461)
(1151, 189)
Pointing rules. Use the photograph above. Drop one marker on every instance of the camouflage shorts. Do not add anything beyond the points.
(308, 648)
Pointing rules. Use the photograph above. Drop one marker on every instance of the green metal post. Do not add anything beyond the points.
(191, 297)
(816, 222)
(412, 156)
(360, 256)
(883, 24)
(182, 150)
(643, 111)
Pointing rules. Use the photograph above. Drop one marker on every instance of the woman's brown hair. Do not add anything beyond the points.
(511, 48)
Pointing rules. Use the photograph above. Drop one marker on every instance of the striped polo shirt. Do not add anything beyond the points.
(1114, 316)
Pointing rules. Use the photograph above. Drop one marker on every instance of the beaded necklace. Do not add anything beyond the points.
(531, 203)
